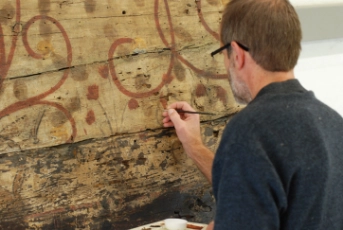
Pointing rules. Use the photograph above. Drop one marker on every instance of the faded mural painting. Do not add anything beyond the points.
(82, 89)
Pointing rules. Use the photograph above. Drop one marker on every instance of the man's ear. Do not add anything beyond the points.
(238, 55)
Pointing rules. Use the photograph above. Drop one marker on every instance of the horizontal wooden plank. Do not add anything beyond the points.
(83, 85)
(54, 35)
(72, 71)
(110, 181)
(104, 99)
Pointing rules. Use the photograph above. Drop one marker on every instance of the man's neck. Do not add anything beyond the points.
(262, 78)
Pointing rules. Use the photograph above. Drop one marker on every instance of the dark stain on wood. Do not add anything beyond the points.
(122, 143)
(126, 164)
(110, 31)
(141, 159)
(44, 6)
(15, 222)
(73, 104)
(117, 183)
(211, 141)
(45, 29)
(90, 6)
(7, 13)
(215, 133)
(58, 118)
(163, 133)
(80, 73)
(59, 61)
(213, 2)
(208, 131)
(163, 165)
(179, 71)
(183, 34)
(180, 205)
(140, 3)
(142, 81)
(135, 145)
(20, 90)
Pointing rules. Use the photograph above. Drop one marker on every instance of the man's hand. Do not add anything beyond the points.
(187, 128)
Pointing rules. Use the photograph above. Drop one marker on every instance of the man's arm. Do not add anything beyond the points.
(187, 128)
(210, 226)
(203, 158)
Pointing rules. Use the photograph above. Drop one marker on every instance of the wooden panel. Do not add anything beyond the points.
(83, 85)
(54, 35)
(75, 71)
(120, 182)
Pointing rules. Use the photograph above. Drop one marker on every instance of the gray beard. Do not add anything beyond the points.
(241, 96)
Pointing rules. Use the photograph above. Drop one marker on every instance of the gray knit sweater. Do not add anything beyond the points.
(280, 164)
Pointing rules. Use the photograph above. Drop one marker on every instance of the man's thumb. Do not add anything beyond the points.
(174, 116)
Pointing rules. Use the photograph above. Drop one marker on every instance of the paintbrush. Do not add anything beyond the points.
(192, 112)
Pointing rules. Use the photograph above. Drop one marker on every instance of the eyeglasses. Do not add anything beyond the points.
(227, 46)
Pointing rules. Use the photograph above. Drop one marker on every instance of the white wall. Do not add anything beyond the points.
(314, 2)
(320, 69)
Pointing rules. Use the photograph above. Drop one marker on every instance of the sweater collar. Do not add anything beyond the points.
(289, 86)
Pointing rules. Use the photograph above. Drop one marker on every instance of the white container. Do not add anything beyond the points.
(175, 224)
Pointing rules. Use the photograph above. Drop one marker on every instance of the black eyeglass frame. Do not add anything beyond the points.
(227, 46)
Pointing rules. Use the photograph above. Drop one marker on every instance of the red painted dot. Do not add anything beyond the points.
(104, 71)
(200, 91)
(93, 92)
(222, 95)
(90, 119)
(133, 104)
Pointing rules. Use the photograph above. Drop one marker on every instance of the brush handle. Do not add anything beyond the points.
(193, 112)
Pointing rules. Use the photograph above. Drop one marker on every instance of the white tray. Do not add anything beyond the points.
(154, 226)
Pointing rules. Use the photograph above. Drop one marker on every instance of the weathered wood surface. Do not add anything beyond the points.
(80, 82)
(112, 183)
(74, 71)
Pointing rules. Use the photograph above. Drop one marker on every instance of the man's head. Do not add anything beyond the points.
(269, 28)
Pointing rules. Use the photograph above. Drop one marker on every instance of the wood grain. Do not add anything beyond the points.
(83, 85)
(115, 179)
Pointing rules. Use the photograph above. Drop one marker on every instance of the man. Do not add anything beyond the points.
(280, 161)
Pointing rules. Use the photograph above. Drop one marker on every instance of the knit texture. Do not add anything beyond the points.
(280, 164)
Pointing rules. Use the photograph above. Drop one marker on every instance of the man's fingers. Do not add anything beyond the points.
(174, 117)
(166, 119)
(168, 124)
